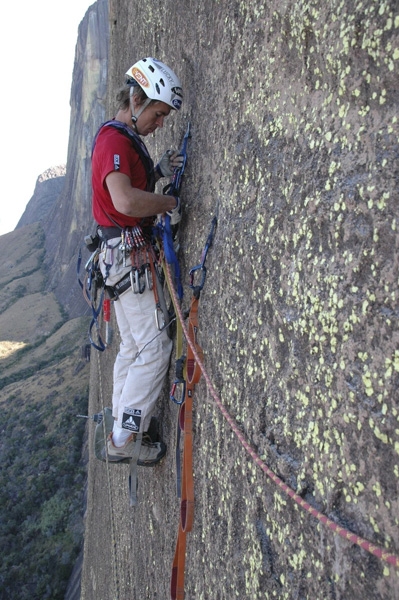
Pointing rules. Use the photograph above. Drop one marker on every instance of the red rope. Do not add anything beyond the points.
(345, 533)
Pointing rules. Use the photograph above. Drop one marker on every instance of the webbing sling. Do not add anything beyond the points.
(193, 374)
(133, 481)
(179, 382)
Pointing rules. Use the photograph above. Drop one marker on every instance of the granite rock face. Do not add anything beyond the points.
(294, 114)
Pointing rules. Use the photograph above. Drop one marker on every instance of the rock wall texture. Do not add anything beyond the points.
(294, 114)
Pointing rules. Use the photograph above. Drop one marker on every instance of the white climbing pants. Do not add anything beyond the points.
(139, 369)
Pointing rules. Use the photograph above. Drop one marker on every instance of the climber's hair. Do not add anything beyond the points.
(123, 96)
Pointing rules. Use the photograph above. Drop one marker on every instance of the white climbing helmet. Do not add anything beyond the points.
(157, 81)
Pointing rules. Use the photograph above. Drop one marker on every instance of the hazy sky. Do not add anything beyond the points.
(37, 44)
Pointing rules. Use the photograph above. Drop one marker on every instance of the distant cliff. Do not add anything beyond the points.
(70, 218)
(47, 190)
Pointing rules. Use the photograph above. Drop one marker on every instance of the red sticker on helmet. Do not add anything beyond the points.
(140, 77)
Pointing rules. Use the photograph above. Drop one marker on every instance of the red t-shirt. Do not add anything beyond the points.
(113, 151)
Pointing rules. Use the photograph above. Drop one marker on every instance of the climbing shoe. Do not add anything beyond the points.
(150, 452)
(104, 424)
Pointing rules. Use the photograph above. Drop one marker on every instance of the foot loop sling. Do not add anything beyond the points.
(188, 369)
(185, 424)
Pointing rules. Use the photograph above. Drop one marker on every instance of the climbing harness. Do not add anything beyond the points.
(137, 248)
(188, 375)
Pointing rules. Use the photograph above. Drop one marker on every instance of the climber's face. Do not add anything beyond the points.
(152, 117)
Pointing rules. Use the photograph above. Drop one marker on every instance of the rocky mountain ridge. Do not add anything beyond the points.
(47, 190)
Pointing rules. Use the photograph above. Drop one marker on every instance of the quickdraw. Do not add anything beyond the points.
(188, 374)
(173, 188)
(93, 282)
(200, 268)
(142, 273)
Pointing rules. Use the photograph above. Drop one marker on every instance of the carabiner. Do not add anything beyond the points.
(192, 273)
(201, 266)
(158, 317)
(178, 398)
(148, 276)
(135, 277)
(90, 262)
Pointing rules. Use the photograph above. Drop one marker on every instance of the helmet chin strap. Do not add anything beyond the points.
(136, 115)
